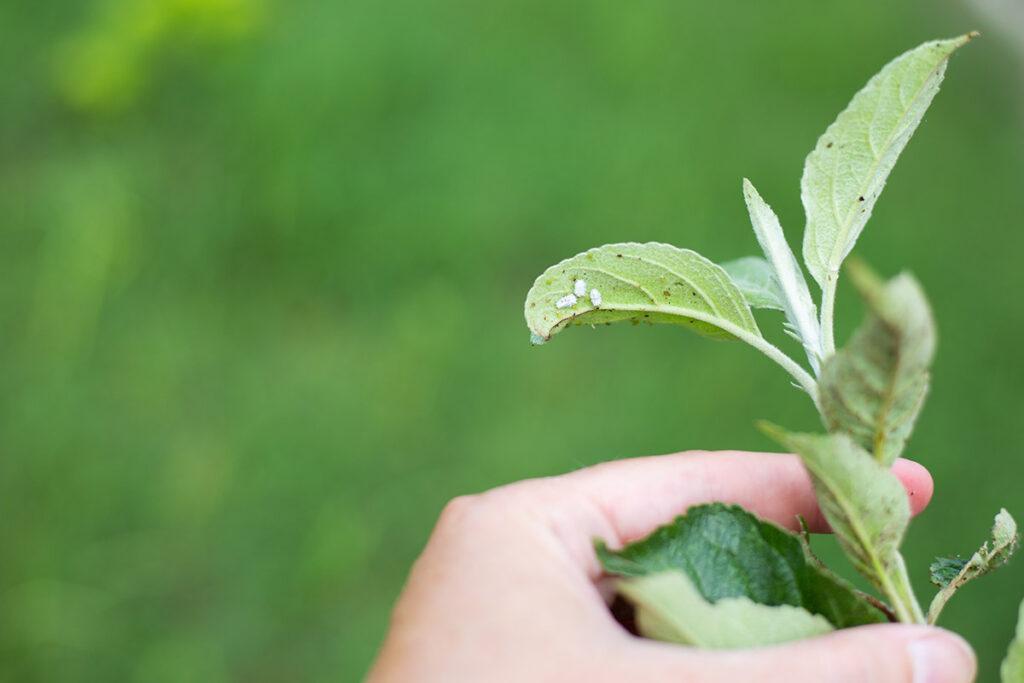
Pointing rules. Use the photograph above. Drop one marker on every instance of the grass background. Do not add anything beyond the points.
(263, 267)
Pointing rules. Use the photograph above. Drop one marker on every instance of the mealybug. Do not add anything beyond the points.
(595, 297)
(566, 301)
(580, 288)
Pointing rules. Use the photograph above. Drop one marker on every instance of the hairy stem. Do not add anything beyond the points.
(828, 305)
(896, 585)
(796, 371)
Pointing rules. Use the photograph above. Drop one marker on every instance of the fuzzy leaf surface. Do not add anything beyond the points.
(993, 554)
(670, 608)
(754, 277)
(653, 283)
(863, 501)
(1012, 670)
(728, 553)
(873, 388)
(801, 313)
(846, 171)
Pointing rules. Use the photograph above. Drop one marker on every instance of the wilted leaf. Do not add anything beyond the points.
(848, 168)
(670, 608)
(993, 554)
(654, 283)
(728, 552)
(754, 277)
(873, 388)
(866, 506)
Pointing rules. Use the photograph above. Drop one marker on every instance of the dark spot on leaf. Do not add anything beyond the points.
(860, 198)
(666, 292)
(618, 255)
(828, 145)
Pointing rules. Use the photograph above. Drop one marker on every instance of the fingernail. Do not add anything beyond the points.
(942, 658)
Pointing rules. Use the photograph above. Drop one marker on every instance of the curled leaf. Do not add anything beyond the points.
(951, 574)
(865, 505)
(874, 388)
(653, 283)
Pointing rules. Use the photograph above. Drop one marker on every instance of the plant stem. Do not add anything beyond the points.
(828, 305)
(896, 585)
(802, 377)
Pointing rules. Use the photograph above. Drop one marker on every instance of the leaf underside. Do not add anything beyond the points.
(863, 501)
(652, 283)
(670, 608)
(729, 553)
(847, 170)
(756, 280)
(873, 388)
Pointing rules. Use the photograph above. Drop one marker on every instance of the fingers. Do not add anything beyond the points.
(641, 494)
(882, 654)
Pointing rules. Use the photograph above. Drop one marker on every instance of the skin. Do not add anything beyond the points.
(508, 587)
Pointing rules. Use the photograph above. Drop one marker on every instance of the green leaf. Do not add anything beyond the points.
(1012, 670)
(728, 552)
(754, 277)
(874, 388)
(670, 608)
(866, 506)
(848, 168)
(993, 554)
(801, 314)
(653, 283)
(945, 569)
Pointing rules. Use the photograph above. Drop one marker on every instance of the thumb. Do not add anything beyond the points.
(889, 653)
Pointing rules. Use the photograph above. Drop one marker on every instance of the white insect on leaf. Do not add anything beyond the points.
(595, 297)
(580, 288)
(566, 301)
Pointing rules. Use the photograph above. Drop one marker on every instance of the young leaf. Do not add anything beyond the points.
(848, 168)
(754, 277)
(670, 608)
(728, 552)
(1012, 670)
(866, 506)
(653, 283)
(873, 389)
(993, 554)
(796, 297)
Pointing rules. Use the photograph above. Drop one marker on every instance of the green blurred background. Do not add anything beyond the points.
(263, 268)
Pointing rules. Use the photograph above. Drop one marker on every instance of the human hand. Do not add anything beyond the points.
(509, 589)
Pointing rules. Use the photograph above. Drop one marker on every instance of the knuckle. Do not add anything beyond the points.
(458, 509)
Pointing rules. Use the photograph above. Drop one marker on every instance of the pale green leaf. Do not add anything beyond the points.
(801, 313)
(652, 283)
(728, 552)
(754, 277)
(670, 608)
(866, 506)
(1012, 670)
(873, 389)
(993, 554)
(848, 168)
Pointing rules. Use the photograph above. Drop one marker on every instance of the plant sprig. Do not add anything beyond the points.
(868, 393)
